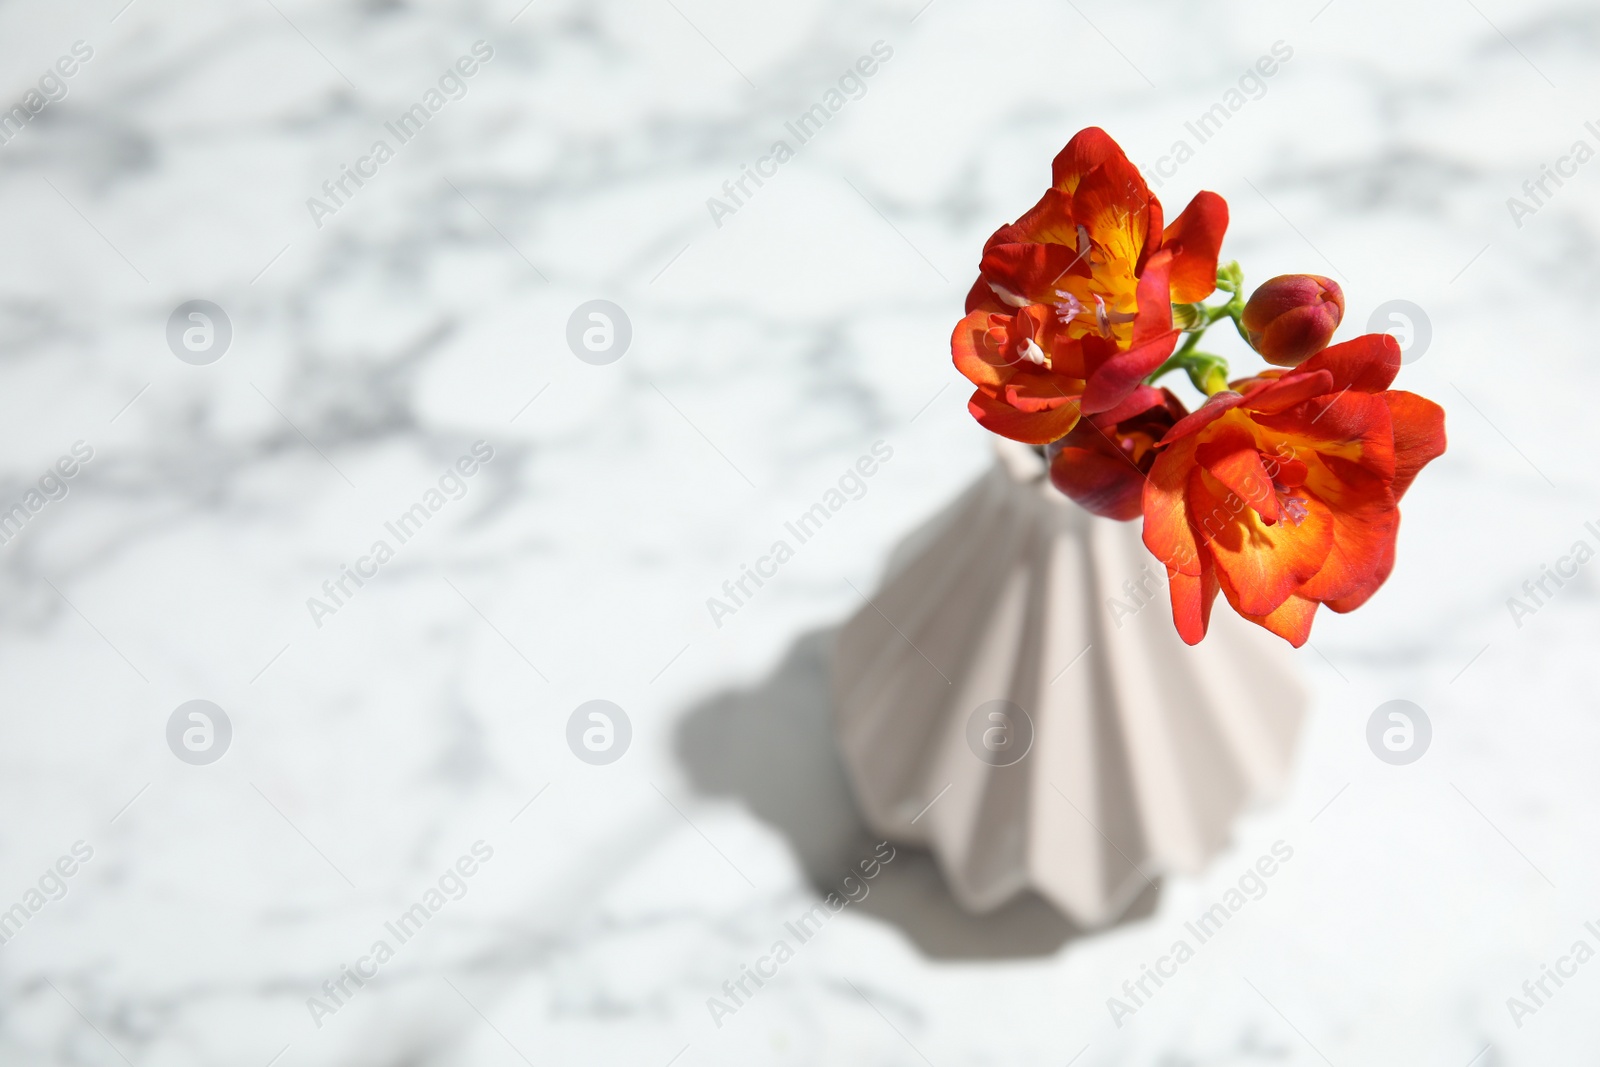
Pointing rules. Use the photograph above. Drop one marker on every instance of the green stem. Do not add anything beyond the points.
(1207, 371)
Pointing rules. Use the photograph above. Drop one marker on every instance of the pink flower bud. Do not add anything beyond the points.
(1292, 317)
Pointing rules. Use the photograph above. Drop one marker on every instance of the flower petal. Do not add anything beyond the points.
(1285, 393)
(981, 297)
(1167, 533)
(1122, 373)
(1262, 566)
(1195, 238)
(1232, 458)
(1192, 597)
(1291, 620)
(1350, 426)
(1365, 521)
(1418, 435)
(1142, 399)
(974, 356)
(1050, 221)
(1380, 574)
(1216, 405)
(1155, 300)
(1047, 421)
(1114, 205)
(1088, 149)
(1102, 481)
(1153, 341)
(1026, 269)
(1366, 365)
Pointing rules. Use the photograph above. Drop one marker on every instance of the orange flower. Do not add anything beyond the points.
(1072, 306)
(1283, 492)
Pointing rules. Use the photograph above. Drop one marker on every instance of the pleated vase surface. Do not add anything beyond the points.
(1015, 699)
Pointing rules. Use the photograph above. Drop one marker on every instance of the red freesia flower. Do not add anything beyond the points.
(1072, 306)
(1283, 493)
(1103, 462)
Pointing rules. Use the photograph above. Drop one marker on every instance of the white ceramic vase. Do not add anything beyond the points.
(1016, 699)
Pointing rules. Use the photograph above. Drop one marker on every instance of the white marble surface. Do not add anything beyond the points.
(768, 354)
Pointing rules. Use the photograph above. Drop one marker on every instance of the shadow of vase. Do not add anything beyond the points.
(772, 747)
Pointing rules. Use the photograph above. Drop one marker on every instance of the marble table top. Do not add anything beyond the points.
(391, 353)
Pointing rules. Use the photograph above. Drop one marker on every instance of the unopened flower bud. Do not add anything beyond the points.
(1292, 317)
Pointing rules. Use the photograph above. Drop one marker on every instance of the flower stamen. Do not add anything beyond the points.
(1293, 508)
(1107, 318)
(1068, 308)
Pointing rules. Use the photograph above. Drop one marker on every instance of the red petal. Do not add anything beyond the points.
(1088, 149)
(1105, 483)
(981, 297)
(1379, 575)
(1215, 407)
(1418, 436)
(1233, 459)
(1286, 472)
(1350, 426)
(1115, 206)
(1121, 374)
(1049, 422)
(1137, 402)
(1195, 238)
(1050, 221)
(1262, 565)
(1153, 341)
(1364, 524)
(1167, 533)
(1192, 597)
(1154, 298)
(1152, 243)
(1027, 269)
(1291, 621)
(1366, 365)
(977, 361)
(1287, 392)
